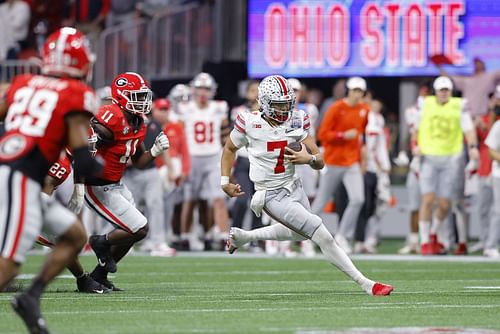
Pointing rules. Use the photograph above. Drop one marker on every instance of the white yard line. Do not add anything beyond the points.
(278, 309)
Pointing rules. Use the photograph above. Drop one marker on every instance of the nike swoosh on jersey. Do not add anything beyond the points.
(102, 264)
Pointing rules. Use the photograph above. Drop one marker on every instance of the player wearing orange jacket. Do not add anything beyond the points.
(341, 135)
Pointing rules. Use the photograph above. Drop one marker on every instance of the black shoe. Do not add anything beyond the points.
(208, 245)
(105, 282)
(88, 285)
(101, 250)
(28, 309)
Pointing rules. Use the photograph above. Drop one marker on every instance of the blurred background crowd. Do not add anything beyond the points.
(197, 54)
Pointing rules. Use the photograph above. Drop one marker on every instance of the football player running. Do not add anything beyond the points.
(279, 193)
(43, 114)
(204, 121)
(58, 173)
(120, 131)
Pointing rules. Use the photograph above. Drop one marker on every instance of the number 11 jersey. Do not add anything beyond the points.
(126, 139)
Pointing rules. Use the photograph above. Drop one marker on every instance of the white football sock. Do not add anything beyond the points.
(436, 225)
(336, 256)
(460, 220)
(424, 228)
(273, 232)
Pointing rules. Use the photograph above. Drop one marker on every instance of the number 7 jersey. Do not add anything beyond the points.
(126, 139)
(266, 146)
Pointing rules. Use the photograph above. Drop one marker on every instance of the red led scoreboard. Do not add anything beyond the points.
(317, 38)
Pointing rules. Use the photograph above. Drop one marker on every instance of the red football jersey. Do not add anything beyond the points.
(60, 170)
(35, 120)
(125, 141)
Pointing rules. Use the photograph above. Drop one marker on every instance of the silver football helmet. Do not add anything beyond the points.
(204, 80)
(276, 98)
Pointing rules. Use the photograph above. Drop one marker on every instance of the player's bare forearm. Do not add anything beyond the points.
(77, 130)
(142, 158)
(3, 111)
(49, 185)
(228, 156)
(494, 155)
(310, 142)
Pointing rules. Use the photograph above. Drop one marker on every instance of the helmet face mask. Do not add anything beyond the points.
(276, 98)
(132, 93)
(139, 101)
(280, 110)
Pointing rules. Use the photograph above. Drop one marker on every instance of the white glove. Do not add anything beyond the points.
(402, 159)
(76, 202)
(471, 168)
(161, 144)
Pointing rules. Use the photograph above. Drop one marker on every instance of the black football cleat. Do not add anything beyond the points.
(103, 254)
(105, 282)
(87, 284)
(28, 308)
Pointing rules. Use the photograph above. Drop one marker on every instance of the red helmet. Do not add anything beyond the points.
(162, 104)
(130, 91)
(66, 52)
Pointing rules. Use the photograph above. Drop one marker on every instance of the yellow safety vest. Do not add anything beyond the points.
(440, 130)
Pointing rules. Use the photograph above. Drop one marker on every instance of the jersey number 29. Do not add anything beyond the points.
(31, 111)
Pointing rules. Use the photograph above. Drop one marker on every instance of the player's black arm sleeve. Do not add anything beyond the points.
(104, 135)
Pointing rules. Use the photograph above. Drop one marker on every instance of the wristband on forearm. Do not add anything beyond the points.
(224, 180)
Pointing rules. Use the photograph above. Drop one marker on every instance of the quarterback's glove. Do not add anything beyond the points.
(76, 202)
(161, 144)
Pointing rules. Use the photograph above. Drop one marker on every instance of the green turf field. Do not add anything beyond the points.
(239, 294)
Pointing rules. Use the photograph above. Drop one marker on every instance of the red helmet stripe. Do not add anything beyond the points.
(282, 84)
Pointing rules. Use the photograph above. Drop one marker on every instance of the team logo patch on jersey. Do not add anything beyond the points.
(14, 146)
(296, 123)
(120, 82)
(257, 126)
(126, 130)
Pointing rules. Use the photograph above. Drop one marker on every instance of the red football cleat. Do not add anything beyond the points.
(461, 249)
(437, 248)
(427, 249)
(381, 289)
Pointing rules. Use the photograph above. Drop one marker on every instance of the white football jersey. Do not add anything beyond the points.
(266, 146)
(313, 113)
(377, 155)
(203, 126)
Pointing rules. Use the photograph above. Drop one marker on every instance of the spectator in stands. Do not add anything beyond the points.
(477, 87)
(150, 8)
(47, 16)
(89, 16)
(14, 26)
(122, 11)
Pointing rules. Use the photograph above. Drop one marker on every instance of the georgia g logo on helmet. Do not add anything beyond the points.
(121, 82)
(276, 98)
